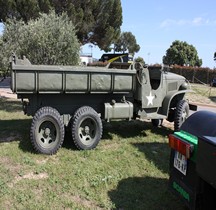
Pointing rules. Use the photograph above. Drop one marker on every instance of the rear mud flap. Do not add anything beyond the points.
(185, 187)
(184, 192)
(193, 107)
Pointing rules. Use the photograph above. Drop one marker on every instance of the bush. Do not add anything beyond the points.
(194, 74)
(99, 64)
(50, 39)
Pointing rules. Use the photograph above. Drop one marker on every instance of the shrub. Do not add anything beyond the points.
(50, 39)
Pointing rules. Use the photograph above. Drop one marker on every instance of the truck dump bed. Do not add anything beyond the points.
(39, 79)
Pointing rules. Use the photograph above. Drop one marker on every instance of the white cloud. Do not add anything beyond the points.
(197, 21)
(170, 22)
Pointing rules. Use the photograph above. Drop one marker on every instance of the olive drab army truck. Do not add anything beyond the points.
(81, 97)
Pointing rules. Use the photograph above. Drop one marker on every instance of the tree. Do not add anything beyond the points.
(126, 42)
(181, 53)
(140, 60)
(96, 21)
(22, 9)
(215, 56)
(50, 39)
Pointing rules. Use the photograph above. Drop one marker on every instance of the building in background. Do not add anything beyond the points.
(86, 58)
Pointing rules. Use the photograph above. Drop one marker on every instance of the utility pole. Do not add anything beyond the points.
(148, 57)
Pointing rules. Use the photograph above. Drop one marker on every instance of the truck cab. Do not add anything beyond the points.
(158, 92)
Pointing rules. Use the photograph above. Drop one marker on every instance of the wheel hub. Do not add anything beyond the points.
(87, 130)
(47, 132)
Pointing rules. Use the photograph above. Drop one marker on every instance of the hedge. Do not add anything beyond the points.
(195, 74)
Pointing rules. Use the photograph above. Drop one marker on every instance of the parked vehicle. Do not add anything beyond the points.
(213, 82)
(81, 97)
(193, 160)
(117, 57)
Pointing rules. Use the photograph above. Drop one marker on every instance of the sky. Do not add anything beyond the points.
(156, 24)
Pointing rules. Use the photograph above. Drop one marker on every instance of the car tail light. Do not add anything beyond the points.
(181, 146)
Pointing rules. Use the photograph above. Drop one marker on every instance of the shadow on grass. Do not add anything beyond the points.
(68, 141)
(144, 193)
(16, 130)
(9, 105)
(133, 128)
(157, 153)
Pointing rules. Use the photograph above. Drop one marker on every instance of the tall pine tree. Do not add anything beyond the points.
(96, 21)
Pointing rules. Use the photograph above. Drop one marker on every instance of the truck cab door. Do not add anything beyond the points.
(152, 88)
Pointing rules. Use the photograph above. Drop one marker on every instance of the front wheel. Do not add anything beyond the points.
(86, 128)
(181, 113)
(47, 131)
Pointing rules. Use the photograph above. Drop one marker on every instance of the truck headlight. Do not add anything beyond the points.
(184, 86)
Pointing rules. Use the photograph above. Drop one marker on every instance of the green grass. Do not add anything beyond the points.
(128, 170)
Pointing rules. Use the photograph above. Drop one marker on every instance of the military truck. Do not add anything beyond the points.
(79, 98)
(193, 160)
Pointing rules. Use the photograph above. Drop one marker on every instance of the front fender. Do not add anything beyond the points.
(168, 99)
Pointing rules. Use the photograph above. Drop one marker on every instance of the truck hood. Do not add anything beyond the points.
(172, 76)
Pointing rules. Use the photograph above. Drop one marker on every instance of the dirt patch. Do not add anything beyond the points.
(41, 162)
(13, 168)
(30, 176)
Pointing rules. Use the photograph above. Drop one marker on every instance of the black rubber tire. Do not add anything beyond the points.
(47, 131)
(181, 114)
(86, 128)
(157, 122)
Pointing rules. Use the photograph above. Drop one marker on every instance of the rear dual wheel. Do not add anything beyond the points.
(86, 128)
(47, 129)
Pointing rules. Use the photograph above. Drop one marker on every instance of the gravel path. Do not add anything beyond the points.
(7, 93)
(5, 90)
